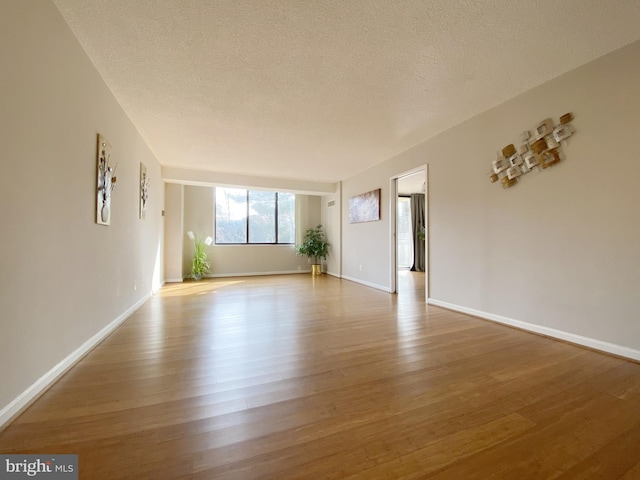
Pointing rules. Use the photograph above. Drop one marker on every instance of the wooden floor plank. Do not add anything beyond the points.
(295, 376)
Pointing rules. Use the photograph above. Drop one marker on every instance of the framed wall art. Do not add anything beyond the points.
(365, 207)
(144, 191)
(106, 181)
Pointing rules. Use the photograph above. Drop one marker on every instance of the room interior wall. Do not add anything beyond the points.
(559, 251)
(302, 216)
(331, 206)
(64, 280)
(198, 218)
(206, 178)
(230, 260)
(365, 246)
(173, 228)
(314, 212)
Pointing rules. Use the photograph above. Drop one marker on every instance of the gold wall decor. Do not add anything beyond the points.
(539, 149)
(566, 118)
(539, 146)
(507, 182)
(508, 150)
(550, 158)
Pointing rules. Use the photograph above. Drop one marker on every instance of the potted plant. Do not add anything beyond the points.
(314, 246)
(200, 264)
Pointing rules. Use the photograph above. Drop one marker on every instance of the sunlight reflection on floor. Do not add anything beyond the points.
(201, 287)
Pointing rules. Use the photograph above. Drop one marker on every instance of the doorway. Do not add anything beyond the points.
(409, 234)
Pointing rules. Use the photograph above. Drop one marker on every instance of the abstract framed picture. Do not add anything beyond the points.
(144, 191)
(365, 207)
(106, 181)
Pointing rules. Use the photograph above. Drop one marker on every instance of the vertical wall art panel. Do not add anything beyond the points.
(106, 182)
(144, 191)
(365, 207)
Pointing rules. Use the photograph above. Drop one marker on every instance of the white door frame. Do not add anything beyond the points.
(393, 214)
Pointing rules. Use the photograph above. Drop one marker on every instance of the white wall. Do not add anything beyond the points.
(365, 246)
(314, 212)
(333, 227)
(559, 251)
(173, 228)
(198, 218)
(229, 260)
(63, 278)
(207, 178)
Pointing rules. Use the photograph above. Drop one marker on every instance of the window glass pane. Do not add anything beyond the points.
(262, 217)
(286, 218)
(231, 215)
(234, 225)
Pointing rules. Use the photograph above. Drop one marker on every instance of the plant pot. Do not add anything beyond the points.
(197, 277)
(316, 269)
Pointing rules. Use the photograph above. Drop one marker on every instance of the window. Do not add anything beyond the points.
(254, 216)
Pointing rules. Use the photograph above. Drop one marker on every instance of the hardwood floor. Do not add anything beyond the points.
(289, 377)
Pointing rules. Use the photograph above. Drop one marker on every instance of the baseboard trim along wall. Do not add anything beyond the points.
(173, 280)
(593, 343)
(254, 274)
(368, 284)
(34, 391)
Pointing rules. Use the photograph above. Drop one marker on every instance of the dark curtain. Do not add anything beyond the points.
(417, 222)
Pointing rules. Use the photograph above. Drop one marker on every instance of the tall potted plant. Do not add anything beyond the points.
(200, 264)
(315, 247)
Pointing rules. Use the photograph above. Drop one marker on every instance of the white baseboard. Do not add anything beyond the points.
(368, 284)
(254, 274)
(30, 394)
(593, 343)
(173, 280)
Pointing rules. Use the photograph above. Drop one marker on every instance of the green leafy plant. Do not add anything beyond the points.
(422, 234)
(200, 264)
(314, 245)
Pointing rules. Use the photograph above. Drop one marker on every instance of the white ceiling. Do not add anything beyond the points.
(323, 89)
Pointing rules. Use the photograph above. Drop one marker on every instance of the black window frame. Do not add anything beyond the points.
(247, 242)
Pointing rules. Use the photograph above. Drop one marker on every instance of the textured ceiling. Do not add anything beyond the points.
(323, 89)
